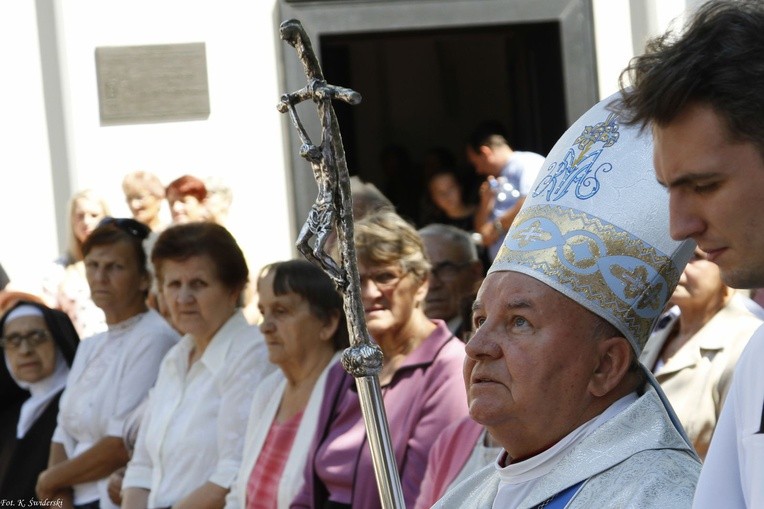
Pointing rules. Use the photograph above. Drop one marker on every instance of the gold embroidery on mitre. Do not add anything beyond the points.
(634, 281)
(612, 270)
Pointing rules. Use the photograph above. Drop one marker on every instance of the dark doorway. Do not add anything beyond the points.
(426, 89)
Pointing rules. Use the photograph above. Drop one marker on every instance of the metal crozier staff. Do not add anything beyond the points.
(333, 206)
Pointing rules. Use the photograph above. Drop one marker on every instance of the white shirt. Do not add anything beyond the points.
(733, 473)
(518, 479)
(111, 374)
(193, 429)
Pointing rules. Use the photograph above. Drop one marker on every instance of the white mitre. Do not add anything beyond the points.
(595, 226)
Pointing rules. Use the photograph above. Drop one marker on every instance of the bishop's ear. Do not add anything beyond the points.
(615, 356)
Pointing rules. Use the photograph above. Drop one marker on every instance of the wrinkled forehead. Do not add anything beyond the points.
(510, 293)
(509, 288)
(595, 226)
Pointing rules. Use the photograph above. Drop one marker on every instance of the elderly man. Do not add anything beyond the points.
(561, 318)
(454, 277)
(701, 94)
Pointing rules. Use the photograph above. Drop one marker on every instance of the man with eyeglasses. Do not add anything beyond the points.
(455, 275)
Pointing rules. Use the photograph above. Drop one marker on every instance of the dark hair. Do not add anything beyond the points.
(183, 241)
(444, 157)
(717, 61)
(490, 133)
(110, 231)
(313, 285)
(188, 185)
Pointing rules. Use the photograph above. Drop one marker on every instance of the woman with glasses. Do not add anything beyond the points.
(112, 371)
(191, 437)
(421, 376)
(38, 345)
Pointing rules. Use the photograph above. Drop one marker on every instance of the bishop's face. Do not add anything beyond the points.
(528, 366)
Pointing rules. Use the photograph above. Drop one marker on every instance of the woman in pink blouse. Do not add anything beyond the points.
(421, 376)
(304, 328)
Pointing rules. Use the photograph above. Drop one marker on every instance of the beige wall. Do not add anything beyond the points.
(49, 153)
(241, 141)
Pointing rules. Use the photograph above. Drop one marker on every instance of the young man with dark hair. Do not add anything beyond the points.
(701, 94)
(509, 175)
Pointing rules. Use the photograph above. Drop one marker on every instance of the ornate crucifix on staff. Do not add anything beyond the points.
(333, 210)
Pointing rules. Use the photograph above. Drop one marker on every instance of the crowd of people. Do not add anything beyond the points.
(572, 338)
(178, 400)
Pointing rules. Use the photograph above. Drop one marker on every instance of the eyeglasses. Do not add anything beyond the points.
(127, 225)
(448, 271)
(33, 339)
(383, 280)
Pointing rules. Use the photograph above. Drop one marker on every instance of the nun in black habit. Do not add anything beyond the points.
(38, 345)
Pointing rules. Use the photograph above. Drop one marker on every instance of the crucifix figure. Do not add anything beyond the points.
(322, 214)
(333, 210)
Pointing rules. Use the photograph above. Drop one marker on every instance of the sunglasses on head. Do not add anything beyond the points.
(127, 225)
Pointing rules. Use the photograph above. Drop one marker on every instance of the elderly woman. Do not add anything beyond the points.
(420, 378)
(39, 345)
(304, 328)
(192, 434)
(144, 194)
(65, 285)
(694, 353)
(112, 371)
(187, 197)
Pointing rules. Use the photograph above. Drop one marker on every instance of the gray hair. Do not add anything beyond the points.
(386, 238)
(453, 235)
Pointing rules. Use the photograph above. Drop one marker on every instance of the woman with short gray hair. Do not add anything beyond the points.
(420, 378)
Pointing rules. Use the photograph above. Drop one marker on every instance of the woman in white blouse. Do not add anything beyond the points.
(112, 371)
(304, 328)
(192, 434)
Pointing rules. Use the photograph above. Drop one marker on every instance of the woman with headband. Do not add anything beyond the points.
(113, 370)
